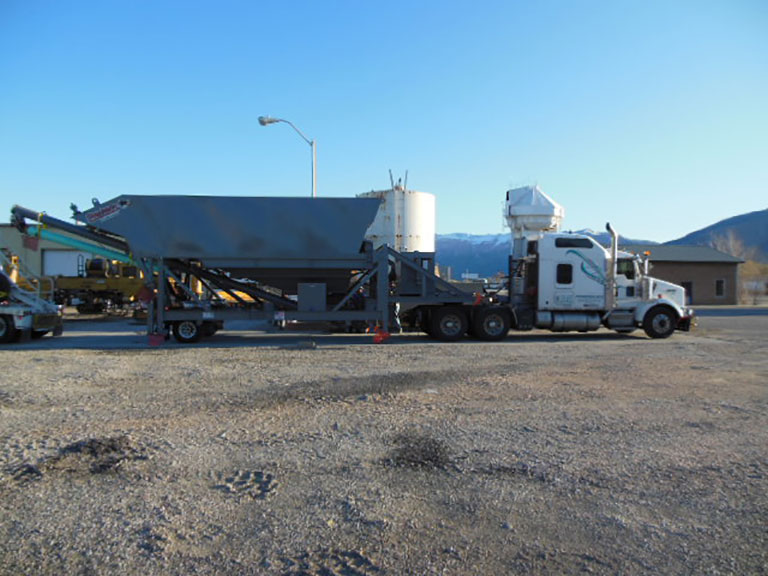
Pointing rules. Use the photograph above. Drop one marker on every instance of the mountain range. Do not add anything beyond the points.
(745, 236)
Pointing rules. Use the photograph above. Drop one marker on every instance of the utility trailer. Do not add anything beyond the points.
(208, 260)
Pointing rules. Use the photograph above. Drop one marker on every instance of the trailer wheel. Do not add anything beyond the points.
(7, 329)
(186, 332)
(491, 324)
(209, 328)
(448, 323)
(660, 322)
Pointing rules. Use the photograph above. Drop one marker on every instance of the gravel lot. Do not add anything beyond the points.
(320, 454)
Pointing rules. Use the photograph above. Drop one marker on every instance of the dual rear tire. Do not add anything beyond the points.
(451, 323)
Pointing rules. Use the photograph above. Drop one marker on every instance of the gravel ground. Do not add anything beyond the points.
(326, 454)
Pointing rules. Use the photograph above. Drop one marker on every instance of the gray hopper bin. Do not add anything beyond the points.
(237, 231)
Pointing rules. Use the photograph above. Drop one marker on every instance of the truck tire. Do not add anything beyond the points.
(7, 329)
(660, 322)
(425, 324)
(186, 331)
(491, 324)
(448, 323)
(5, 287)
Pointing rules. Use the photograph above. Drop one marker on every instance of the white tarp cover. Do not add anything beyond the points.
(528, 209)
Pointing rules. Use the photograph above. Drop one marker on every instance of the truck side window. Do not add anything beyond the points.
(626, 267)
(573, 243)
(564, 273)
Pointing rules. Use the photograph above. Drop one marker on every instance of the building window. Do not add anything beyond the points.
(720, 288)
(564, 273)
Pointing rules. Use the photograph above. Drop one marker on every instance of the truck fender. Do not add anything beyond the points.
(643, 308)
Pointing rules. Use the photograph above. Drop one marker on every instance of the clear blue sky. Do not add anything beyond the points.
(650, 114)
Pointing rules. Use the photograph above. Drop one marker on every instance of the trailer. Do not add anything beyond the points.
(207, 260)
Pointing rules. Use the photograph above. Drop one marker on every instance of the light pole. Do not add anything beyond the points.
(267, 120)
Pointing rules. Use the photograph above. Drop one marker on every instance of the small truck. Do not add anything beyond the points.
(24, 315)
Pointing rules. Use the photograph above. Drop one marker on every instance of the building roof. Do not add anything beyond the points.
(677, 253)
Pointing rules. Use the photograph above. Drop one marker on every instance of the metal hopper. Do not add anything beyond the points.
(236, 231)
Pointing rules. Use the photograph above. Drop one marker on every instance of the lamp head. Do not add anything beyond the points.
(266, 120)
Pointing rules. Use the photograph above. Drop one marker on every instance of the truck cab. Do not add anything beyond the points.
(578, 287)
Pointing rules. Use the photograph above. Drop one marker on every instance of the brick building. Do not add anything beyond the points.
(708, 276)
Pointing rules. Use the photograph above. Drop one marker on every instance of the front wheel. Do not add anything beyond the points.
(491, 324)
(448, 323)
(186, 331)
(660, 322)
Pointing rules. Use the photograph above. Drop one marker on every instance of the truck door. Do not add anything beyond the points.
(572, 274)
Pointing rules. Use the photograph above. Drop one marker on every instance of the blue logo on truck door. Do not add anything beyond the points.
(590, 269)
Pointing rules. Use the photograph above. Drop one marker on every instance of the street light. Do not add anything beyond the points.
(267, 120)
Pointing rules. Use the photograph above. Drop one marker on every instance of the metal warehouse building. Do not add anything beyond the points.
(46, 258)
(708, 276)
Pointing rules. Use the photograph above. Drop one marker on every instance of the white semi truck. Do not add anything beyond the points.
(568, 282)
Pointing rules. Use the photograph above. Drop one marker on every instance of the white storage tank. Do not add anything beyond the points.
(405, 220)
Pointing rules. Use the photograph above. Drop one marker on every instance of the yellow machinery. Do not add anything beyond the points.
(102, 284)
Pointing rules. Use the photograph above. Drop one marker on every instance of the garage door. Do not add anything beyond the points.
(63, 262)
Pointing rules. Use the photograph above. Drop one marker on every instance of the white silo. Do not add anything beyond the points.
(405, 220)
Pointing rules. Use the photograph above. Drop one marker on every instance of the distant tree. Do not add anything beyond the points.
(732, 244)
(753, 276)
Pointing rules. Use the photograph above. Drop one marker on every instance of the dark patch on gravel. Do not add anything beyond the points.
(418, 450)
(93, 455)
(102, 454)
